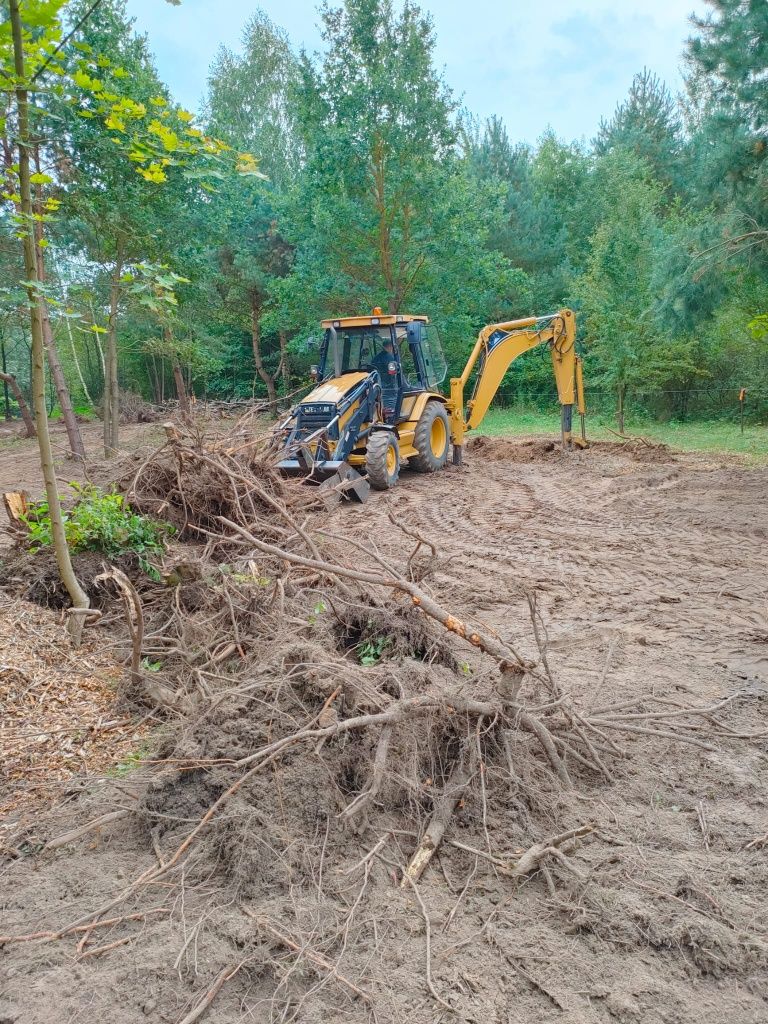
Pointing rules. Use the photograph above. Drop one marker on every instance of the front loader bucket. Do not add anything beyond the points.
(337, 479)
(347, 483)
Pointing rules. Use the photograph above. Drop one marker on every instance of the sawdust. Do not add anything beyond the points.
(61, 719)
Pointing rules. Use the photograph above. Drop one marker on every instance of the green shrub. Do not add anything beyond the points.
(372, 651)
(99, 521)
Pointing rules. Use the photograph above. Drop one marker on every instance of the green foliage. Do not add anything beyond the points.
(615, 290)
(647, 124)
(99, 521)
(728, 58)
(370, 652)
(380, 191)
(132, 761)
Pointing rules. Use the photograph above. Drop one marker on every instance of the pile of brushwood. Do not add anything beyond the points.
(329, 724)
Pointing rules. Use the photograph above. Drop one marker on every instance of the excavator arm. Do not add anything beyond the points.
(496, 348)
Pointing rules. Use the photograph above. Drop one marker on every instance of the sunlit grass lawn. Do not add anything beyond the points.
(696, 436)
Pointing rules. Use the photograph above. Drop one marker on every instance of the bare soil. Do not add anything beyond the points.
(650, 572)
(20, 461)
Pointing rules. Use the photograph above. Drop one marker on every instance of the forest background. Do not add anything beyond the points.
(375, 187)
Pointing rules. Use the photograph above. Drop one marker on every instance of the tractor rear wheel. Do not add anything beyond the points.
(382, 460)
(430, 439)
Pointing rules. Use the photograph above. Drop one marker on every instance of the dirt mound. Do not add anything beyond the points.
(637, 448)
(36, 578)
(193, 482)
(507, 449)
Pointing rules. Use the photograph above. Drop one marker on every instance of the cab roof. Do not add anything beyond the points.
(376, 319)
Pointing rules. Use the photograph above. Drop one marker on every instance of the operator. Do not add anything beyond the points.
(382, 360)
(389, 384)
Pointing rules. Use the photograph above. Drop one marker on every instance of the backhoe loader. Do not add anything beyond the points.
(377, 405)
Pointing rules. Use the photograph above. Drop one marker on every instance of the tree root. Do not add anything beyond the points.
(454, 789)
(311, 955)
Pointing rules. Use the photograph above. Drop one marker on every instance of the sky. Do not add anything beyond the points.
(562, 64)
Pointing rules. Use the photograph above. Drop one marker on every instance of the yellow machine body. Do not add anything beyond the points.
(341, 425)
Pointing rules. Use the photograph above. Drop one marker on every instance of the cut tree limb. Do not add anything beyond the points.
(16, 508)
(445, 805)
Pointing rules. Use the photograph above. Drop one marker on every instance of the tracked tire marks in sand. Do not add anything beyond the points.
(670, 558)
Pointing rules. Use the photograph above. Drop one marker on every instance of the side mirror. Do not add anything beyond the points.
(415, 332)
(310, 344)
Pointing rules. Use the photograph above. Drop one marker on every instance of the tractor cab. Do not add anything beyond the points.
(404, 351)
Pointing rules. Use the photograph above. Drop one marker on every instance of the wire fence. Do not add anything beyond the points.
(680, 404)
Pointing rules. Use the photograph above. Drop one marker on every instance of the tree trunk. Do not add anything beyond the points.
(84, 386)
(622, 394)
(151, 364)
(178, 377)
(6, 396)
(9, 380)
(57, 373)
(181, 391)
(285, 368)
(258, 362)
(77, 594)
(111, 398)
(99, 346)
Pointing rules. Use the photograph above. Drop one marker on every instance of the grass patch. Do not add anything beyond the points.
(132, 761)
(693, 436)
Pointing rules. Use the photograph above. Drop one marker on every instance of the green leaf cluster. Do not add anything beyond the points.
(98, 521)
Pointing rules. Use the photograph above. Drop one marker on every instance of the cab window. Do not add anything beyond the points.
(408, 363)
(360, 347)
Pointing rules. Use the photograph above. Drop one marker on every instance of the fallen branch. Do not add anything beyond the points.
(202, 1005)
(83, 830)
(134, 614)
(543, 735)
(98, 950)
(533, 857)
(361, 801)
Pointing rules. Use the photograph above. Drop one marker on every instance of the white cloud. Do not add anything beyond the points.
(554, 62)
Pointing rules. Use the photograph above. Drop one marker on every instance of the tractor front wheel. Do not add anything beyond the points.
(382, 460)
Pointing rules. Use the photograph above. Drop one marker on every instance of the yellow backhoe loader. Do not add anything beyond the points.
(377, 404)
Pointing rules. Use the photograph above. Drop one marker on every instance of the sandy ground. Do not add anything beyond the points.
(20, 462)
(650, 570)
